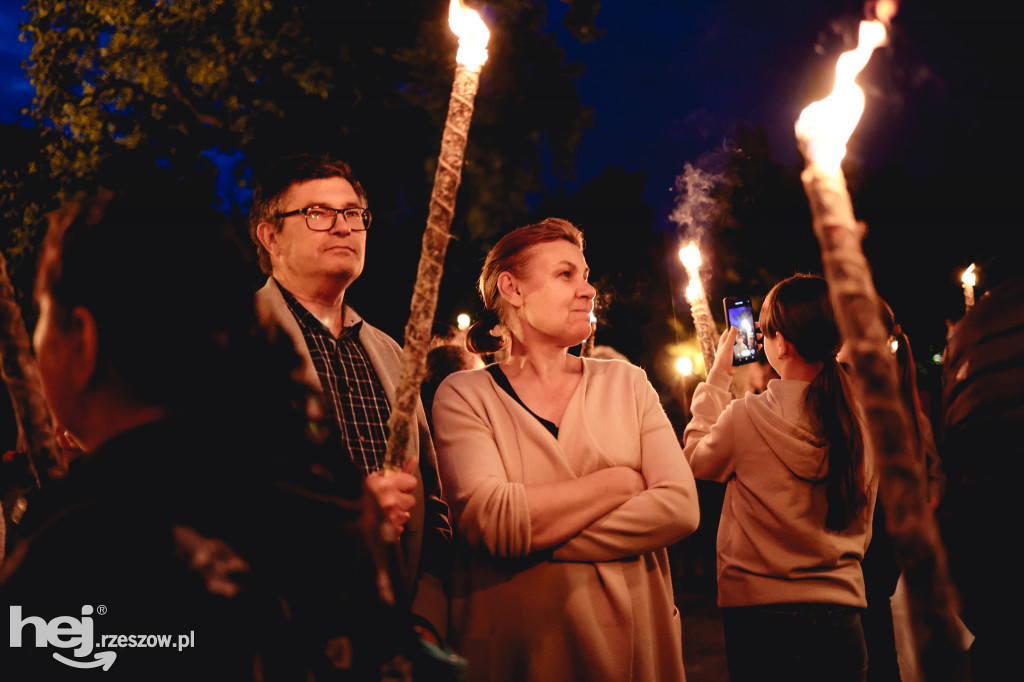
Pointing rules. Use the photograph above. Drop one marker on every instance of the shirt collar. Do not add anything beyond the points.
(351, 322)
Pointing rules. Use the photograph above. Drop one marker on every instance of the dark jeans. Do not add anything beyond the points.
(795, 643)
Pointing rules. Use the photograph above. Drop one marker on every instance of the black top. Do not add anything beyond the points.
(499, 376)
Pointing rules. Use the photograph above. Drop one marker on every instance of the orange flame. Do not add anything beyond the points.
(825, 126)
(694, 291)
(969, 277)
(472, 33)
(885, 10)
(691, 259)
(690, 256)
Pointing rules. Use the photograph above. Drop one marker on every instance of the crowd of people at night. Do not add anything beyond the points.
(226, 484)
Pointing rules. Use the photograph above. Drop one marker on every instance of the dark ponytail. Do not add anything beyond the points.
(830, 402)
(800, 309)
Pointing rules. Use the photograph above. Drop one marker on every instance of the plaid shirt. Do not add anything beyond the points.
(352, 390)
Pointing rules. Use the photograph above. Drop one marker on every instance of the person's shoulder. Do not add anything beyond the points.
(368, 334)
(268, 298)
(784, 391)
(467, 379)
(783, 403)
(612, 369)
(470, 385)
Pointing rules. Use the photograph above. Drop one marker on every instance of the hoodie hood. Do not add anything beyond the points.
(778, 417)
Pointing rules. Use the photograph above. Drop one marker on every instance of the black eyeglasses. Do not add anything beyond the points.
(322, 218)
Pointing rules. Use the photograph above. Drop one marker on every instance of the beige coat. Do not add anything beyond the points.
(600, 606)
(426, 540)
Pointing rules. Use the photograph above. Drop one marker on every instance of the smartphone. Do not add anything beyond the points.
(740, 314)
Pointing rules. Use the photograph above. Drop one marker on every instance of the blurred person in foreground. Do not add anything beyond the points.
(981, 448)
(881, 570)
(201, 506)
(309, 220)
(566, 481)
(800, 491)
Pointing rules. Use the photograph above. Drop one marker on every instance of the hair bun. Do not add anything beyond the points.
(487, 334)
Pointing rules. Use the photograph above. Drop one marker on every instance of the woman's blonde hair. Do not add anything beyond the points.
(509, 255)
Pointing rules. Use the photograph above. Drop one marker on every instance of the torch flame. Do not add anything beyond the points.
(694, 291)
(969, 277)
(885, 10)
(825, 126)
(472, 33)
(690, 256)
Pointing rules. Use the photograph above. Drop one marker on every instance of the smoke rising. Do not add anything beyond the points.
(700, 203)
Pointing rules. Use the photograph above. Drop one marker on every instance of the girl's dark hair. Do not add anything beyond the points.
(800, 309)
(508, 255)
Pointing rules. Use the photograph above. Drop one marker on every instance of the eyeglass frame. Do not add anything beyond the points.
(367, 217)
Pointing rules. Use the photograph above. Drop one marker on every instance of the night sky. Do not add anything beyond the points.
(934, 161)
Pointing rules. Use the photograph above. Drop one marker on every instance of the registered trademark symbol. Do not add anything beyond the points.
(101, 609)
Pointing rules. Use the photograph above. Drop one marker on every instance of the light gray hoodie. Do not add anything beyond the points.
(773, 546)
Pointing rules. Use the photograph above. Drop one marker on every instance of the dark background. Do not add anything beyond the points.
(591, 111)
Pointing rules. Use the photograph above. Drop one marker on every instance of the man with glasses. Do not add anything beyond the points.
(309, 221)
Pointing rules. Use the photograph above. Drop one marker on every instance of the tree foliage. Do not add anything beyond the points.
(167, 78)
(126, 90)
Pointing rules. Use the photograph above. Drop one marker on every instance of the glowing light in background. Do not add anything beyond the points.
(969, 279)
(462, 321)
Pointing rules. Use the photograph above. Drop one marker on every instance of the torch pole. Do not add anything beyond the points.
(707, 335)
(34, 422)
(428, 277)
(703, 322)
(876, 388)
(21, 375)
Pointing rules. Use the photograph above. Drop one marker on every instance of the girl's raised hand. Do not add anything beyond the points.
(723, 356)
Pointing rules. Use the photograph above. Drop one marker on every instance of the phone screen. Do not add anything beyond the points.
(740, 314)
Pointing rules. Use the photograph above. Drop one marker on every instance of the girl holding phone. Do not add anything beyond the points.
(800, 490)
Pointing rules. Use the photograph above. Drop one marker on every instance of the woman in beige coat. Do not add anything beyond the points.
(566, 484)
